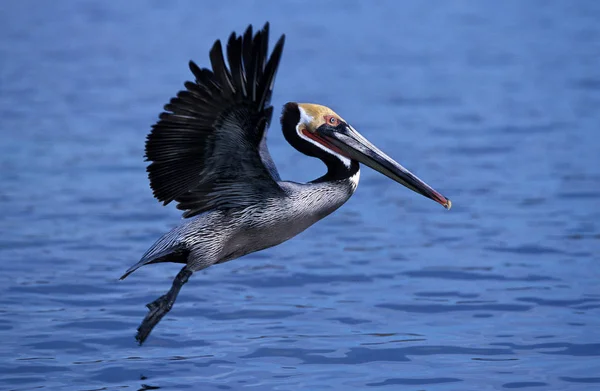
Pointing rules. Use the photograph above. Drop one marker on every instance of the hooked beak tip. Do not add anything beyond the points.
(440, 199)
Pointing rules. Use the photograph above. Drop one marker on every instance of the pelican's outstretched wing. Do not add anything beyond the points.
(208, 150)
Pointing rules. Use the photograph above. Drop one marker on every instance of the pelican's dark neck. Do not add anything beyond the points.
(336, 172)
(336, 168)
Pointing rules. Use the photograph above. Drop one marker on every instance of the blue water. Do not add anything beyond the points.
(495, 104)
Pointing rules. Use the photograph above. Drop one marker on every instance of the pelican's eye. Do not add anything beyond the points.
(331, 120)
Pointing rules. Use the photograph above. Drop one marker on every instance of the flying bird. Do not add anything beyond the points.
(208, 153)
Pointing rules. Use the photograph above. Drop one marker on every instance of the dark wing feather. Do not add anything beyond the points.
(208, 149)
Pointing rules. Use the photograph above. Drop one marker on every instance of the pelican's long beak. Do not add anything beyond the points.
(356, 147)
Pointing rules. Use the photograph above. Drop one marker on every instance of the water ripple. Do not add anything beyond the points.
(570, 349)
(415, 382)
(460, 275)
(365, 355)
(434, 309)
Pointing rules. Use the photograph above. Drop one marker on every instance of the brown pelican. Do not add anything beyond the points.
(208, 153)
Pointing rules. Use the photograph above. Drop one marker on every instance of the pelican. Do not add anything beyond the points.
(208, 153)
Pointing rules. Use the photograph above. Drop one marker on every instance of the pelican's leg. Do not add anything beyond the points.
(159, 307)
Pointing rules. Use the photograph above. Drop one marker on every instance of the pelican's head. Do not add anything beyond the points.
(326, 130)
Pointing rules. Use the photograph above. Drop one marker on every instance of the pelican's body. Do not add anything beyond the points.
(220, 236)
(208, 152)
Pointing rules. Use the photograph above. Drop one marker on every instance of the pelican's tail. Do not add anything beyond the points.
(175, 255)
(166, 249)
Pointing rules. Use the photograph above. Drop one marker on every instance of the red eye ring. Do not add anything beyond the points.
(331, 120)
